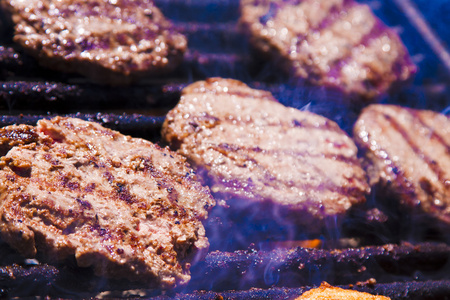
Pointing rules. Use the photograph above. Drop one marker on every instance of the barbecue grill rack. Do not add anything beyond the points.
(217, 47)
(414, 267)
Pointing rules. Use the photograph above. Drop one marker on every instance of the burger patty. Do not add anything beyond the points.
(122, 205)
(112, 42)
(407, 152)
(328, 292)
(334, 43)
(247, 146)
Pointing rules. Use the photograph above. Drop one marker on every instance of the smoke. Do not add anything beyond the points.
(446, 111)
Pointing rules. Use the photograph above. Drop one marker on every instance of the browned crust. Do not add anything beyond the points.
(328, 292)
(254, 152)
(338, 44)
(121, 205)
(407, 153)
(129, 40)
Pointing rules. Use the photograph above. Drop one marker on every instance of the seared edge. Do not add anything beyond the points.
(407, 152)
(122, 205)
(326, 291)
(113, 42)
(250, 147)
(338, 43)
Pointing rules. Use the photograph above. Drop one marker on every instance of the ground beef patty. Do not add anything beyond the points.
(250, 147)
(328, 292)
(407, 153)
(122, 205)
(109, 41)
(335, 43)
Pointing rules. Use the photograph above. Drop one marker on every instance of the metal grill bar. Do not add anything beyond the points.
(249, 270)
(43, 96)
(302, 266)
(132, 124)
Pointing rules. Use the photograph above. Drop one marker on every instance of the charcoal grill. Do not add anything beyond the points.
(400, 261)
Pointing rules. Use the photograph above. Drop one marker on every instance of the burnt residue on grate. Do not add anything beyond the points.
(26, 281)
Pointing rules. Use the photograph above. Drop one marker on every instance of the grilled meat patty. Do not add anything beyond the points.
(112, 42)
(407, 152)
(328, 292)
(248, 146)
(334, 43)
(122, 205)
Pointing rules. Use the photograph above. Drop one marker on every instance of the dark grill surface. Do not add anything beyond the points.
(428, 290)
(217, 47)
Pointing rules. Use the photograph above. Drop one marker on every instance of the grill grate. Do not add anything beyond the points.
(243, 270)
(221, 272)
(29, 92)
